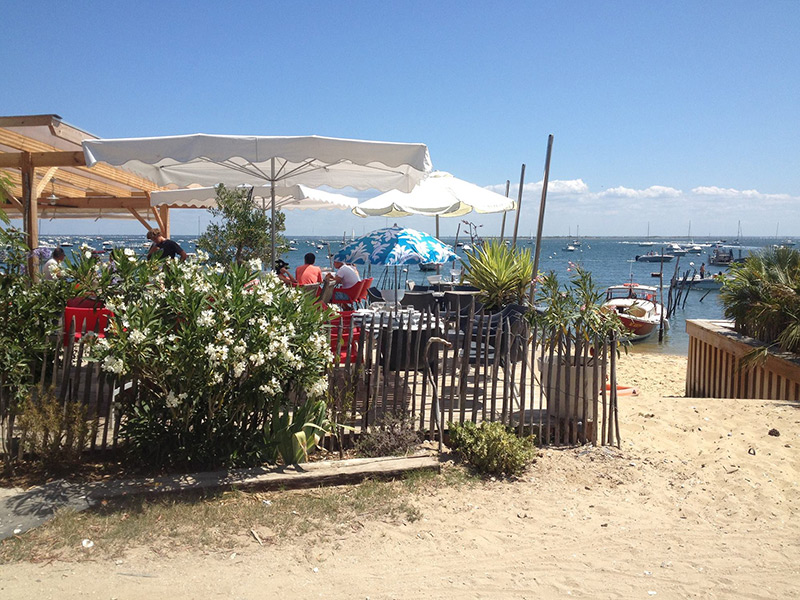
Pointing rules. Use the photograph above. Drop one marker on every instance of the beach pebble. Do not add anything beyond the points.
(17, 531)
(87, 543)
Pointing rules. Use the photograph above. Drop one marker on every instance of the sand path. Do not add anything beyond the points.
(700, 502)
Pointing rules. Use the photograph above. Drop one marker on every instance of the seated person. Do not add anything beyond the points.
(346, 277)
(168, 248)
(308, 273)
(282, 270)
(52, 268)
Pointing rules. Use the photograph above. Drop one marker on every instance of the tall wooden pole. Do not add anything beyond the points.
(541, 215)
(519, 206)
(505, 212)
(272, 213)
(31, 212)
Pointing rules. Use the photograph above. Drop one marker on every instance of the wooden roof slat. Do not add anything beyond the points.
(26, 144)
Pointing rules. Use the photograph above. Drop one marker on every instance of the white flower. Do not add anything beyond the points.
(319, 388)
(87, 254)
(137, 337)
(206, 318)
(255, 264)
(239, 368)
(129, 252)
(113, 365)
(172, 400)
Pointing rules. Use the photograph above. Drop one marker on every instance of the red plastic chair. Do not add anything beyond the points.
(86, 319)
(349, 343)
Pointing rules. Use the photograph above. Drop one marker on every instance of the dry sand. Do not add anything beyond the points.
(700, 502)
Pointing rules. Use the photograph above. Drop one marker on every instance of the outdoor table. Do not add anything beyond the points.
(405, 327)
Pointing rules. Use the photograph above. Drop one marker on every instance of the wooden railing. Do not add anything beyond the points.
(716, 368)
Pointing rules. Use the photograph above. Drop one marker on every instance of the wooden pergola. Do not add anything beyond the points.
(43, 158)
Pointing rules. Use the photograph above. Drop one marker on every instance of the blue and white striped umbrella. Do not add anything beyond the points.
(395, 246)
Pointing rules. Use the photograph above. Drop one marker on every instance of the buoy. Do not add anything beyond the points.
(624, 390)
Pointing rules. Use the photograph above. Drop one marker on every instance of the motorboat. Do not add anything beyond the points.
(637, 308)
(676, 249)
(720, 257)
(694, 249)
(569, 248)
(654, 256)
(709, 282)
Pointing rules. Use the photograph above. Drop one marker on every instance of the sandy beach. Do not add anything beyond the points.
(700, 502)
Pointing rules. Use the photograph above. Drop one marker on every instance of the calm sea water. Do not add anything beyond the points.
(610, 260)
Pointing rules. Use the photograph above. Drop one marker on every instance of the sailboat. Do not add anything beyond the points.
(577, 241)
(738, 240)
(647, 243)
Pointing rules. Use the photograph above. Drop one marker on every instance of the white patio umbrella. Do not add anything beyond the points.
(208, 160)
(439, 194)
(286, 197)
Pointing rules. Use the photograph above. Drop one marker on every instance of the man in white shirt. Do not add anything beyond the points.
(346, 277)
(52, 267)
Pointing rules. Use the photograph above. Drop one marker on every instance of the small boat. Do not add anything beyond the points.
(720, 257)
(66, 244)
(427, 266)
(569, 248)
(654, 256)
(676, 250)
(695, 249)
(709, 282)
(637, 308)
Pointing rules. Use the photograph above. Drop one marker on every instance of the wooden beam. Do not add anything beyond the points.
(140, 219)
(28, 120)
(100, 202)
(157, 218)
(21, 142)
(48, 175)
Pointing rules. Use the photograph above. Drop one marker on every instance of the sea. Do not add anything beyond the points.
(611, 261)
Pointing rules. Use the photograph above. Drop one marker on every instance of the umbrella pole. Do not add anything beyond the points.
(272, 217)
(519, 206)
(438, 267)
(541, 216)
(505, 212)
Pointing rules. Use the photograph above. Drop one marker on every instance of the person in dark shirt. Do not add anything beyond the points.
(168, 248)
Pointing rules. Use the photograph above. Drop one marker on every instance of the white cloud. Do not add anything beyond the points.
(654, 191)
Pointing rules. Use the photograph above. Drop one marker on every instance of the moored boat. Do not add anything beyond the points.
(637, 308)
(654, 256)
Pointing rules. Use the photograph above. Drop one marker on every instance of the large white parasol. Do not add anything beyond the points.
(439, 194)
(208, 160)
(286, 197)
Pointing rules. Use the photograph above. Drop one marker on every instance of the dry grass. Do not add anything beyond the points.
(223, 520)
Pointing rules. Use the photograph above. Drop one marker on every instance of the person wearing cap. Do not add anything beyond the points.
(282, 271)
(168, 248)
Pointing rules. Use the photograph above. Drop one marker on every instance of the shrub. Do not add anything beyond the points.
(221, 354)
(55, 433)
(490, 448)
(502, 274)
(762, 296)
(394, 435)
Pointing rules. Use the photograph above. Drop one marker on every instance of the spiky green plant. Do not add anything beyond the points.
(762, 297)
(502, 274)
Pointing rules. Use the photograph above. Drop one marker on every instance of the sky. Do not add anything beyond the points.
(666, 116)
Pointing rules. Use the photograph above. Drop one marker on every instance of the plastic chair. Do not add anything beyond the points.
(421, 301)
(340, 328)
(86, 320)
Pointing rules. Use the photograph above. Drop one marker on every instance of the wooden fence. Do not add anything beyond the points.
(429, 368)
(715, 368)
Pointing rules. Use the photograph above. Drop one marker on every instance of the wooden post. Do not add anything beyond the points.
(519, 205)
(541, 216)
(31, 212)
(505, 212)
(164, 212)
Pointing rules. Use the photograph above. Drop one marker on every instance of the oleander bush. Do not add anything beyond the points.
(491, 449)
(230, 361)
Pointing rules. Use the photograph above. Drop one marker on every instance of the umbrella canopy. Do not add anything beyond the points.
(395, 246)
(208, 160)
(286, 197)
(439, 194)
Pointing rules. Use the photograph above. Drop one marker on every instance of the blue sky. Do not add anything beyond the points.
(663, 113)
